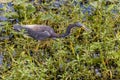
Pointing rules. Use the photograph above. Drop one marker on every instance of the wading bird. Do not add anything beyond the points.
(41, 32)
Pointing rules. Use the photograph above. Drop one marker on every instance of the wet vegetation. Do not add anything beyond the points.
(82, 55)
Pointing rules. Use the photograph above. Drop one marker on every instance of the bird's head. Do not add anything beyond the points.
(78, 24)
(17, 27)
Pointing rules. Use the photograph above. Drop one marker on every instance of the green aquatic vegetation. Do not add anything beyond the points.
(80, 56)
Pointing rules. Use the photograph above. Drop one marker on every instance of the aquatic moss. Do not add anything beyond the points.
(82, 55)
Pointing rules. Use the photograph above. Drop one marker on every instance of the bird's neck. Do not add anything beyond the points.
(68, 30)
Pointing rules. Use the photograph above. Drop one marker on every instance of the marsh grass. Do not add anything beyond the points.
(80, 56)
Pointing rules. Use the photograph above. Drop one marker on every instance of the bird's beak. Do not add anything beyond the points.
(86, 28)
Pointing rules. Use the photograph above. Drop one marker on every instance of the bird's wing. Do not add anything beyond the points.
(40, 35)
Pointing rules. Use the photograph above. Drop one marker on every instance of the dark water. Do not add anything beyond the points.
(55, 4)
(2, 18)
(1, 5)
(1, 60)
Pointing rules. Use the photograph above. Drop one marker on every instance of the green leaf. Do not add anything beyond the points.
(30, 9)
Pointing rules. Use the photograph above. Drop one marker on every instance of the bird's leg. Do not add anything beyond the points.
(40, 45)
(37, 46)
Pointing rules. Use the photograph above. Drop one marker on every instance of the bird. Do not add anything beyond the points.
(41, 32)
